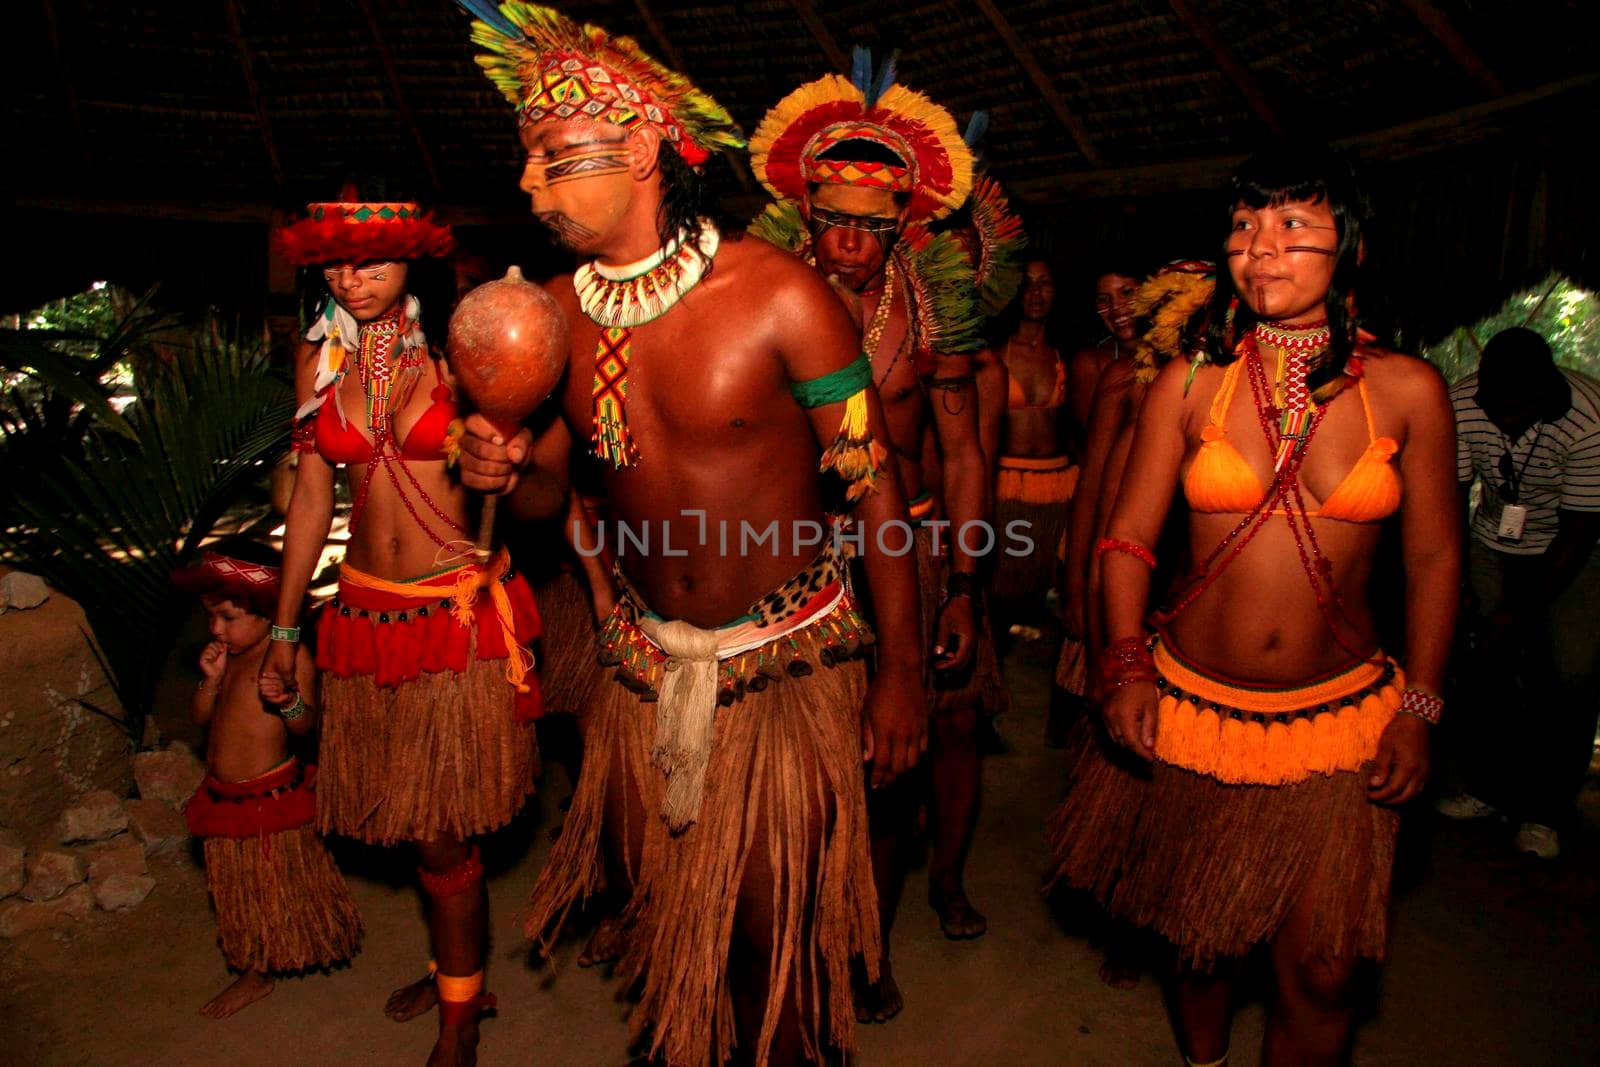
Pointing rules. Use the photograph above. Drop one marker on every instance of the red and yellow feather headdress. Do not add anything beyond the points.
(936, 164)
(554, 69)
(352, 230)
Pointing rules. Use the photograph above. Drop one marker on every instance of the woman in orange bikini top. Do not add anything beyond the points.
(1219, 480)
(1281, 737)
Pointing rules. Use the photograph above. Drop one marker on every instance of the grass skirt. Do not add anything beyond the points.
(281, 903)
(568, 666)
(1072, 667)
(784, 808)
(1216, 867)
(1035, 491)
(439, 755)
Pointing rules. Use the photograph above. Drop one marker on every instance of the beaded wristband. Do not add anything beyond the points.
(1425, 706)
(1125, 662)
(285, 633)
(1138, 552)
(295, 710)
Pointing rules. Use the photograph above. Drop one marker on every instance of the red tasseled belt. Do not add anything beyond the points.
(395, 638)
(285, 798)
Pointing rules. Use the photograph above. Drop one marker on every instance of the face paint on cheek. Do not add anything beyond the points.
(566, 231)
(585, 198)
(607, 159)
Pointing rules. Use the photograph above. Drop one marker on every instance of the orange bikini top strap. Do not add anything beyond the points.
(1224, 398)
(1366, 406)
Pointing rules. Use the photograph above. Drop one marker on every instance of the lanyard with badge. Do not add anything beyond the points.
(1513, 513)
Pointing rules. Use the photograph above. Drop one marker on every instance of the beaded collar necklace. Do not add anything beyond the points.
(632, 294)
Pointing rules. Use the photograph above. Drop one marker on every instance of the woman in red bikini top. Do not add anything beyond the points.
(427, 698)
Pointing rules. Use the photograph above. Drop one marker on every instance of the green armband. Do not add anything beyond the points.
(838, 385)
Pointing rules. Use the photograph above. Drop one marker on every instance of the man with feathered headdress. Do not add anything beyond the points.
(713, 378)
(861, 166)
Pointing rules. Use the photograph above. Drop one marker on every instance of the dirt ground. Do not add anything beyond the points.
(1493, 960)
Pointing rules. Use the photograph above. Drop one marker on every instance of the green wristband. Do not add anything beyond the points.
(285, 633)
(295, 710)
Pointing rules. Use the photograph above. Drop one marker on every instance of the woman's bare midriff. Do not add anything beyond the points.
(388, 542)
(1259, 621)
(1032, 432)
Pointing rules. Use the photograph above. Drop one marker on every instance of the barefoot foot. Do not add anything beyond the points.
(1119, 973)
(880, 1001)
(1120, 968)
(457, 1046)
(959, 920)
(410, 1001)
(246, 990)
(605, 945)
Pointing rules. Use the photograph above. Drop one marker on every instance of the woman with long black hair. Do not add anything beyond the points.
(1280, 739)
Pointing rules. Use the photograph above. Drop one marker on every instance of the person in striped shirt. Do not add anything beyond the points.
(1528, 435)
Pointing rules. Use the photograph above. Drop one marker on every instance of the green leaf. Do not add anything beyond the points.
(22, 352)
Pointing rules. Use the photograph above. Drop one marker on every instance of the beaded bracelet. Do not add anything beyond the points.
(285, 633)
(1125, 662)
(1425, 706)
(1138, 552)
(295, 710)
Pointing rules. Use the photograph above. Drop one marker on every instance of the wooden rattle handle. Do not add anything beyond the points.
(486, 529)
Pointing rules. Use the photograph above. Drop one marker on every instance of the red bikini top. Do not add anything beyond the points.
(341, 441)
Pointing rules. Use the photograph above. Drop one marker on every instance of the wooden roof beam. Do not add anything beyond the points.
(1041, 81)
(659, 32)
(1231, 68)
(819, 32)
(397, 94)
(69, 88)
(247, 67)
(1438, 23)
(1405, 141)
(737, 160)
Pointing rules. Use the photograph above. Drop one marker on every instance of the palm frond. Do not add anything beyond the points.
(108, 525)
(29, 352)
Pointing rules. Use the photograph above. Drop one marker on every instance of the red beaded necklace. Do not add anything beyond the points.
(1289, 441)
(374, 369)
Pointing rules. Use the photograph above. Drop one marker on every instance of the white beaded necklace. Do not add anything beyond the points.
(633, 294)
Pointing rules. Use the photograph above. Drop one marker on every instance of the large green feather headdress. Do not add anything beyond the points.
(554, 69)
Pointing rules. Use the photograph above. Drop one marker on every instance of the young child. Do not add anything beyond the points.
(281, 903)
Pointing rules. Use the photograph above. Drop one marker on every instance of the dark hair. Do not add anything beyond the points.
(861, 150)
(1124, 266)
(1517, 362)
(1003, 326)
(685, 200)
(1279, 175)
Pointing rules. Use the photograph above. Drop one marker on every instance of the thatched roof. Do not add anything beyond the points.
(226, 110)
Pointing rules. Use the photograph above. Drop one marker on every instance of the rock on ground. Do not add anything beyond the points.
(53, 748)
(18, 917)
(13, 872)
(156, 824)
(97, 816)
(19, 590)
(121, 855)
(51, 874)
(121, 892)
(170, 775)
